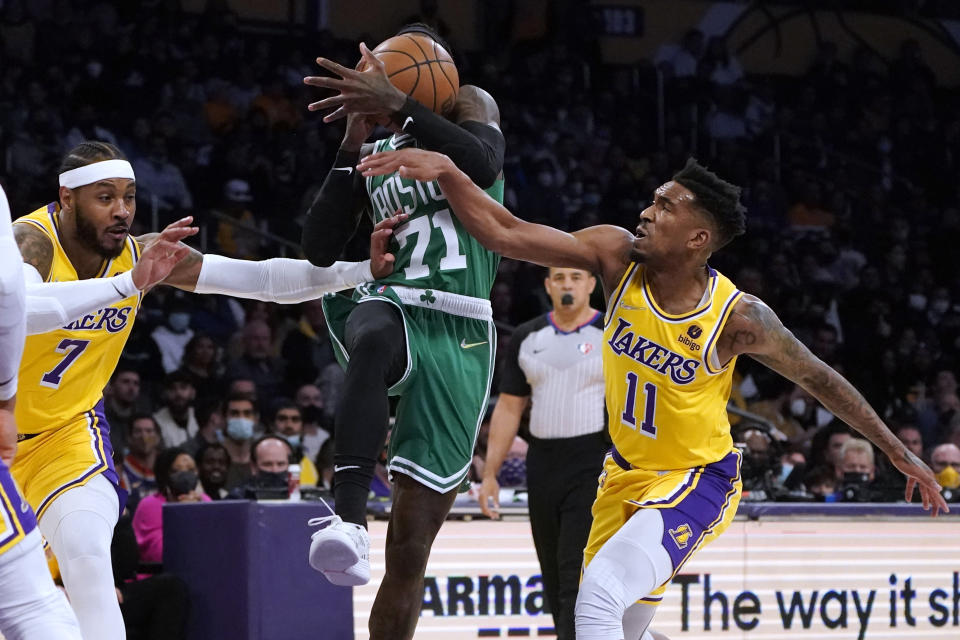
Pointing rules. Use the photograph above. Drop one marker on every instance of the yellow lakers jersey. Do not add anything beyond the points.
(666, 392)
(63, 372)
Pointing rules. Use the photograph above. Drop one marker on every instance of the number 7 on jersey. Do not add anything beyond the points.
(71, 350)
(629, 416)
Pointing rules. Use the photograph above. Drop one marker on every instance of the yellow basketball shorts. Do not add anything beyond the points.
(697, 505)
(52, 462)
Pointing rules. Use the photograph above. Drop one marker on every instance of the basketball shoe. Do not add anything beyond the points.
(340, 551)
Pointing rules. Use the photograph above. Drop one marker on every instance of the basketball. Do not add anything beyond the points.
(422, 69)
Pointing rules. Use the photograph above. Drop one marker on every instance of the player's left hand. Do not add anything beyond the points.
(381, 261)
(416, 164)
(367, 91)
(920, 475)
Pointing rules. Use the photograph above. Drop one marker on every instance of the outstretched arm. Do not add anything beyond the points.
(754, 329)
(603, 249)
(282, 280)
(52, 305)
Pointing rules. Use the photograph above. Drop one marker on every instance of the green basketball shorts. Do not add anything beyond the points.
(451, 345)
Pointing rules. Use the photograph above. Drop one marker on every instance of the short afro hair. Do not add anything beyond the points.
(717, 197)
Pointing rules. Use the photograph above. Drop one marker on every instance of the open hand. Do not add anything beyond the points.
(381, 262)
(366, 91)
(162, 254)
(920, 475)
(416, 164)
(490, 492)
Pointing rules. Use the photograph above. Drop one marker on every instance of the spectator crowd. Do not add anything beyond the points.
(848, 173)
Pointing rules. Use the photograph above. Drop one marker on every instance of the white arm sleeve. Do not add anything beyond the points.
(52, 305)
(278, 279)
(12, 317)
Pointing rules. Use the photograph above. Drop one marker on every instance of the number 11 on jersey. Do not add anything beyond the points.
(629, 416)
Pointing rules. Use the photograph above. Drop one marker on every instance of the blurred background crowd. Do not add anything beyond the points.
(849, 172)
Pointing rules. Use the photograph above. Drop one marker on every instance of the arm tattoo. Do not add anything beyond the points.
(35, 247)
(779, 349)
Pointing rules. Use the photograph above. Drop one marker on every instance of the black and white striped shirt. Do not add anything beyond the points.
(562, 372)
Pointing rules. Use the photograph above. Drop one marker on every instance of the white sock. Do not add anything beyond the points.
(79, 526)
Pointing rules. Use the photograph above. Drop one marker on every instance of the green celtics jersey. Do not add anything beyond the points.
(433, 249)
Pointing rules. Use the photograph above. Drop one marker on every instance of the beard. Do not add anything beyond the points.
(90, 237)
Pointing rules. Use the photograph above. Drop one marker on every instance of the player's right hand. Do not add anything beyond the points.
(162, 254)
(490, 492)
(920, 476)
(416, 164)
(381, 260)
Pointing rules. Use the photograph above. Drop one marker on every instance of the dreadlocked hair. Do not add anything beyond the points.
(427, 30)
(89, 152)
(719, 198)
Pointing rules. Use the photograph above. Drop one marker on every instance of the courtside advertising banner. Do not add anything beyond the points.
(771, 579)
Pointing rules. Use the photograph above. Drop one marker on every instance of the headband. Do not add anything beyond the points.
(91, 173)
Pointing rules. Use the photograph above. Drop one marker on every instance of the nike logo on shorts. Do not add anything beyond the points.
(406, 122)
(347, 169)
(465, 345)
(345, 467)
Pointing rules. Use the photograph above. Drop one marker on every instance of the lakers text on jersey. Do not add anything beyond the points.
(64, 438)
(666, 393)
(81, 356)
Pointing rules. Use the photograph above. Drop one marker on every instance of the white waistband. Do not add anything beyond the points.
(452, 303)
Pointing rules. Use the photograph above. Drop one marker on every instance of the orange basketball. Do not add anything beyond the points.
(422, 69)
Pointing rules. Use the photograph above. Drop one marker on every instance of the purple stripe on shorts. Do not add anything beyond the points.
(20, 513)
(701, 510)
(100, 429)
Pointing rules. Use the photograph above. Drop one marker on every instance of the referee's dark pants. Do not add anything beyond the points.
(562, 485)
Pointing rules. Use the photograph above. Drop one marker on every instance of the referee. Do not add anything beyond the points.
(553, 362)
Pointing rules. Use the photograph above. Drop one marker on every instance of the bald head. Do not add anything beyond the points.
(271, 455)
(943, 456)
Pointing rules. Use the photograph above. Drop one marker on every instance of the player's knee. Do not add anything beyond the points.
(602, 592)
(407, 560)
(83, 534)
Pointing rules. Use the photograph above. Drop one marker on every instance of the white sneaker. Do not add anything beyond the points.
(340, 551)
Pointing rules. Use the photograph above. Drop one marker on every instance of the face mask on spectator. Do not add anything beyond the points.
(310, 414)
(293, 440)
(949, 478)
(798, 407)
(918, 301)
(182, 482)
(272, 479)
(823, 416)
(179, 321)
(785, 470)
(240, 428)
